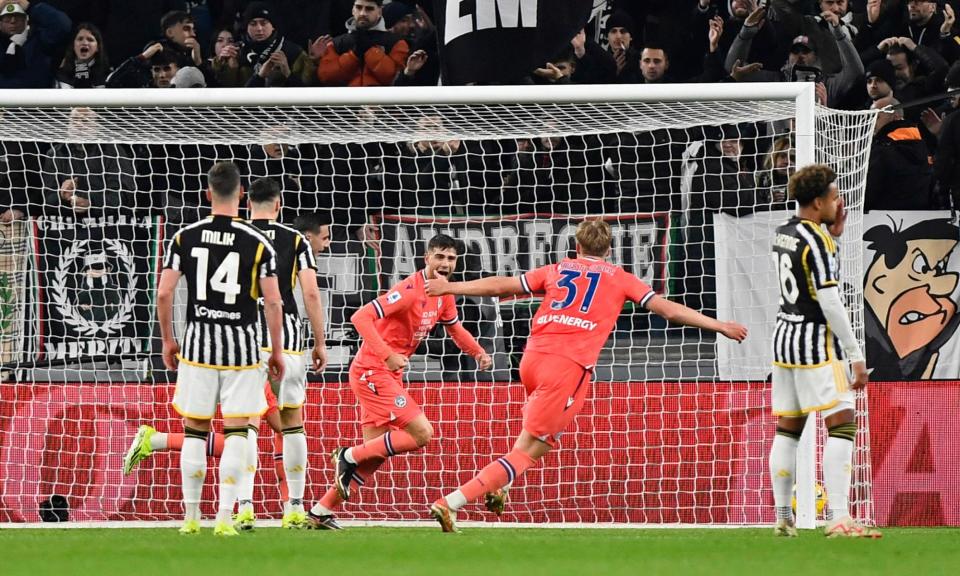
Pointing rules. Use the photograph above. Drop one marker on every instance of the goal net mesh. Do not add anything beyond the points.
(677, 426)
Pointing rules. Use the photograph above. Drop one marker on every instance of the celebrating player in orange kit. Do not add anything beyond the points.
(392, 327)
(583, 297)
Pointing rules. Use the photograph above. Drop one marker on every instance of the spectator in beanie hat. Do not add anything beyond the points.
(881, 78)
(265, 57)
(620, 42)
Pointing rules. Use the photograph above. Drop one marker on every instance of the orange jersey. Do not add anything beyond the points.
(582, 299)
(405, 315)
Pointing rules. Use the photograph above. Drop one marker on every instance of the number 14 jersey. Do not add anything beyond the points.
(222, 260)
(582, 299)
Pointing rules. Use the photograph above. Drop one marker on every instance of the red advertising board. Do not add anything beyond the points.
(640, 452)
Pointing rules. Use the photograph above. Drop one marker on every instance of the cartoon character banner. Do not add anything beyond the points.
(910, 295)
(910, 290)
(97, 277)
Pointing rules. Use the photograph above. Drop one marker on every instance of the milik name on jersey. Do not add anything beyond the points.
(567, 321)
(217, 237)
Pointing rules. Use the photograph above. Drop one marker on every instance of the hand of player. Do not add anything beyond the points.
(734, 331)
(836, 229)
(319, 357)
(860, 375)
(275, 366)
(170, 351)
(484, 362)
(396, 362)
(438, 286)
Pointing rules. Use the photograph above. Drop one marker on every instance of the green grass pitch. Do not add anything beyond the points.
(486, 552)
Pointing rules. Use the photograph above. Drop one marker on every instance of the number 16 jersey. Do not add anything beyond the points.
(806, 261)
(222, 260)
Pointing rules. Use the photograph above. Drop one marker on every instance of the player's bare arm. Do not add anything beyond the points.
(680, 314)
(314, 307)
(273, 311)
(492, 286)
(168, 283)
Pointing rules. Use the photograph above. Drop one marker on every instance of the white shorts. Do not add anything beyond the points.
(239, 392)
(292, 392)
(799, 391)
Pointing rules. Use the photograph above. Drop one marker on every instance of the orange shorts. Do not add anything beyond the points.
(271, 400)
(383, 399)
(556, 389)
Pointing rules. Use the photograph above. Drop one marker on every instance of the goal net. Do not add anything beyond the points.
(691, 178)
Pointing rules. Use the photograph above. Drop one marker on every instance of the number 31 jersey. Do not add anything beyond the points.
(582, 299)
(806, 261)
(222, 259)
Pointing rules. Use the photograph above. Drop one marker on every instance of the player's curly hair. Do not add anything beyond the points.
(593, 238)
(810, 183)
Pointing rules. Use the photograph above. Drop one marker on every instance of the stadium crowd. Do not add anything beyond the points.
(884, 54)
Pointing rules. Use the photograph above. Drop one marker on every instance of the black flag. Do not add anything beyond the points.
(501, 41)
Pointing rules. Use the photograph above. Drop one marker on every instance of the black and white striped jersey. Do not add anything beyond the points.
(222, 260)
(806, 260)
(293, 255)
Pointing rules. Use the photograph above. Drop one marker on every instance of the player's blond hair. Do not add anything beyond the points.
(593, 237)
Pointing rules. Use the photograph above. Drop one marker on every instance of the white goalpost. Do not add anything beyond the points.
(691, 178)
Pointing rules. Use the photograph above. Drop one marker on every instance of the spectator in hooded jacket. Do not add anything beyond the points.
(367, 55)
(82, 178)
(946, 167)
(414, 26)
(899, 176)
(31, 37)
